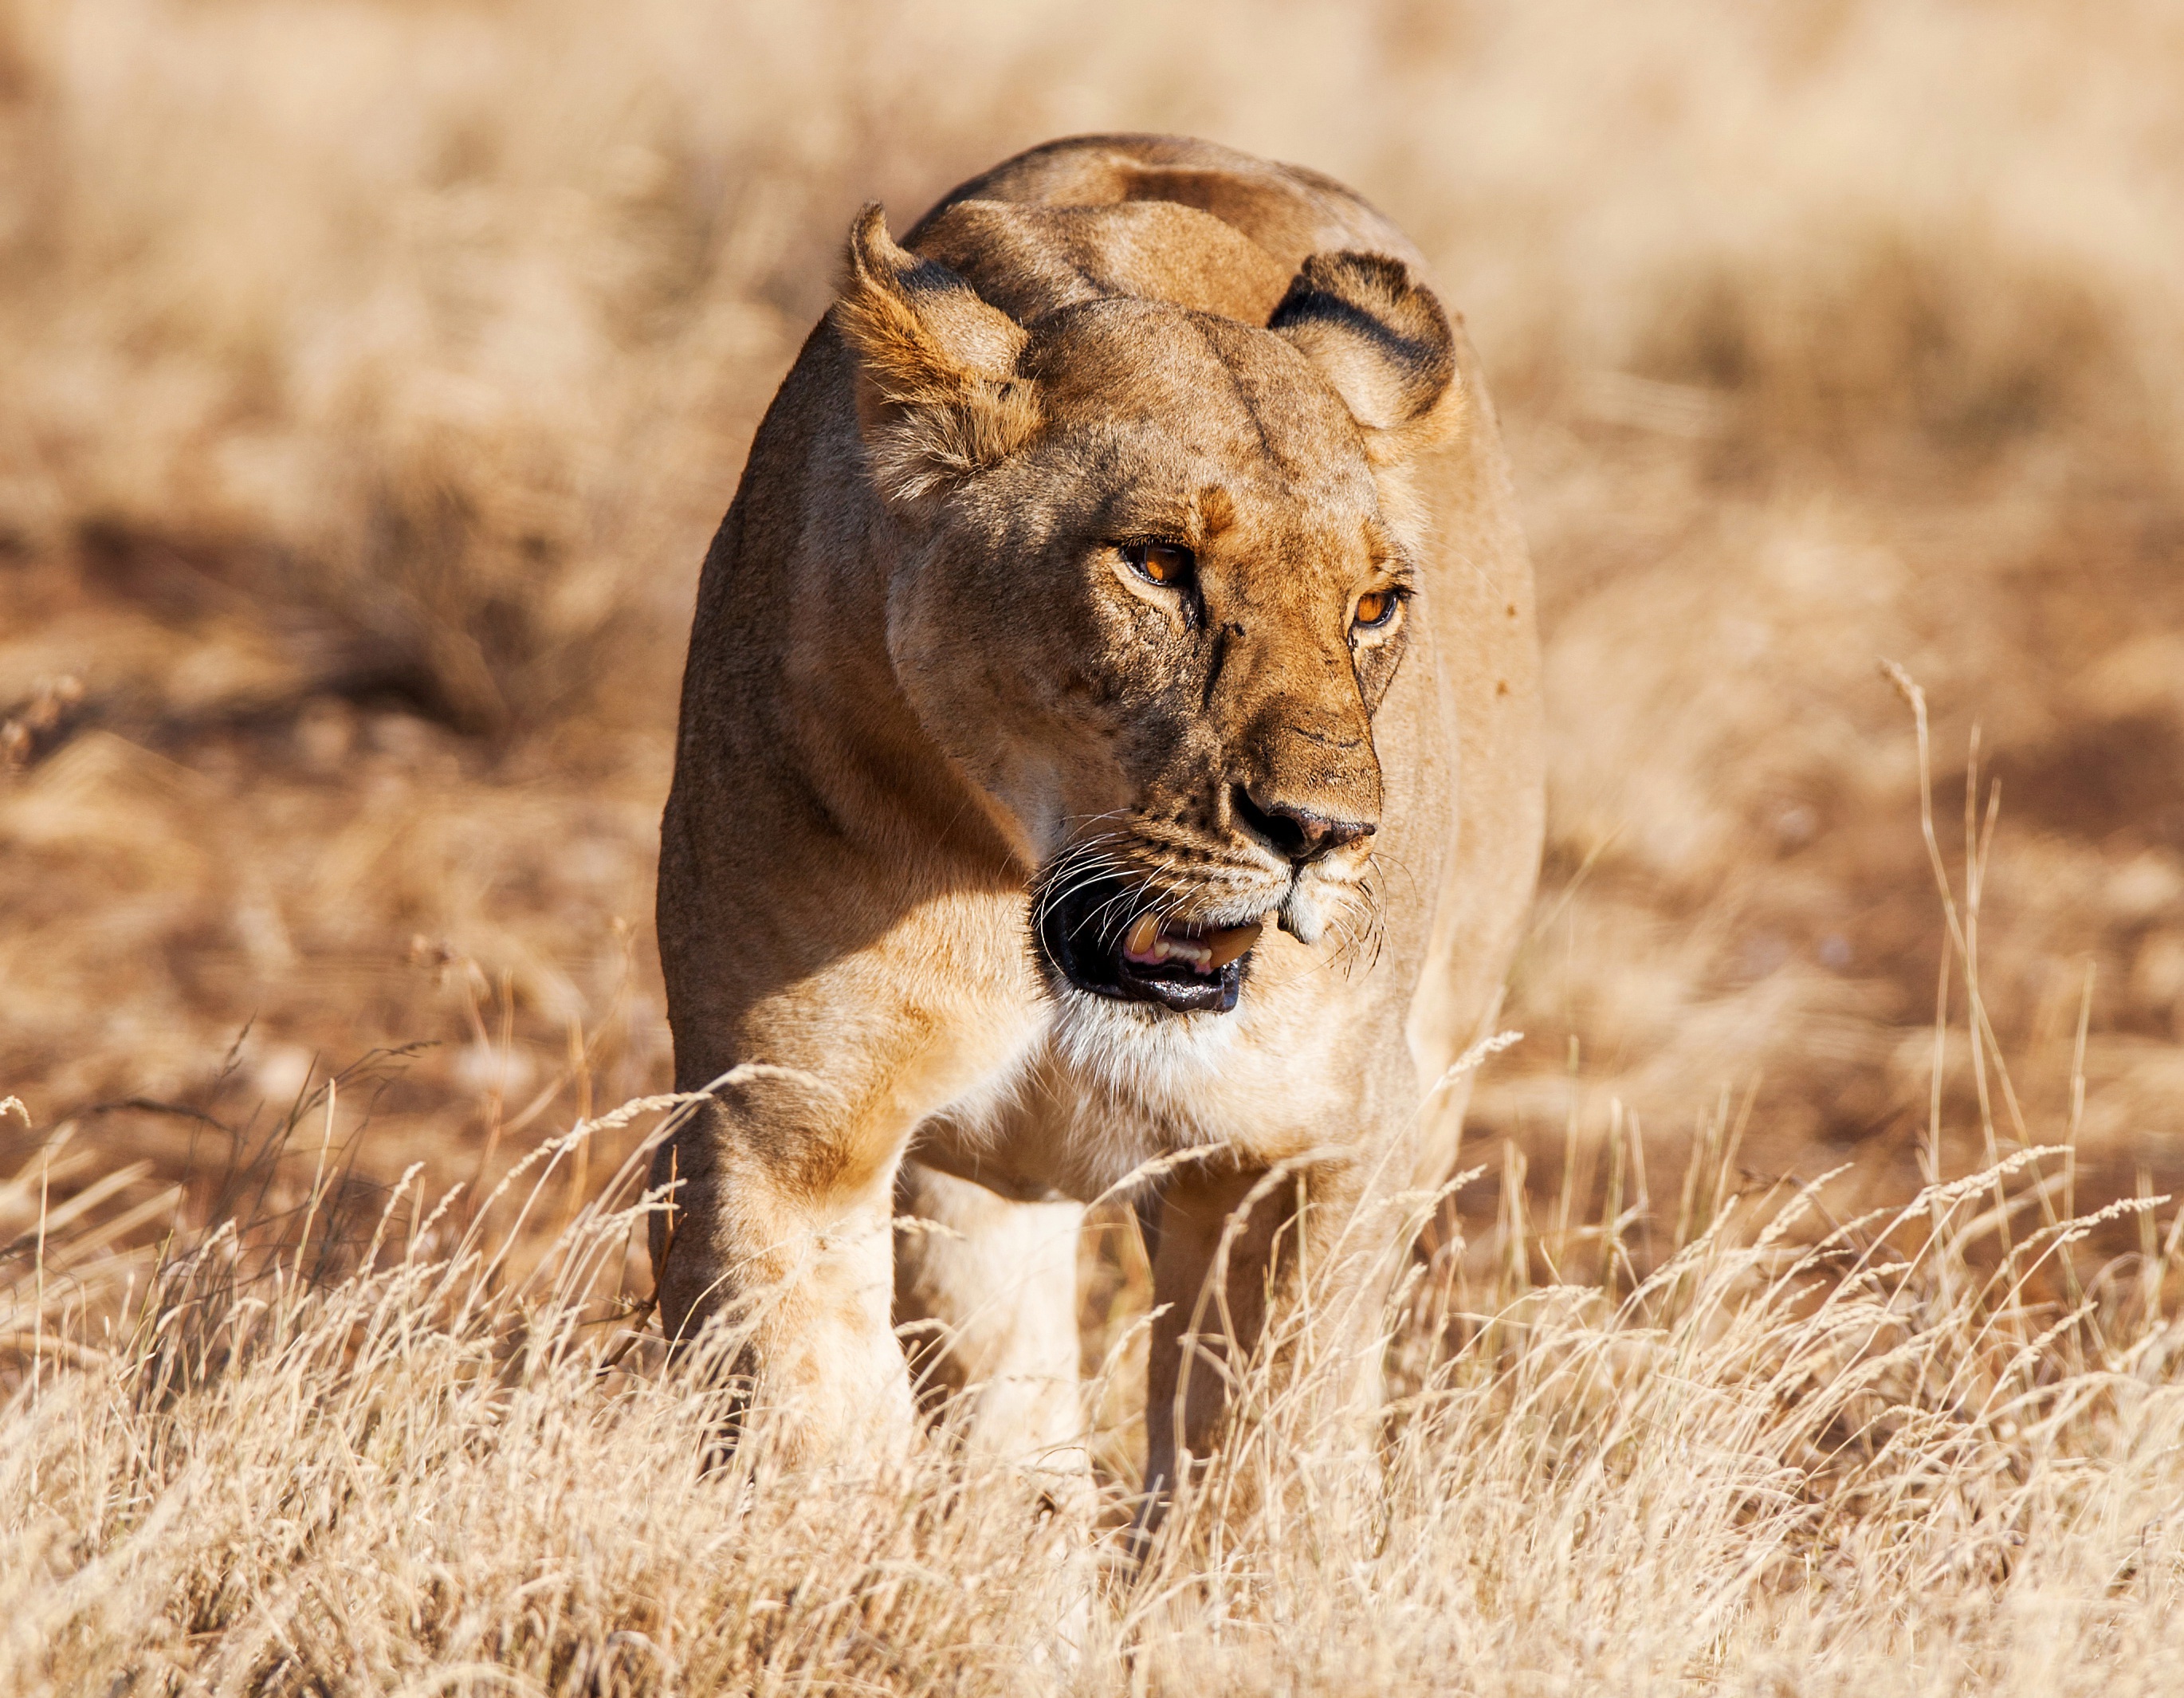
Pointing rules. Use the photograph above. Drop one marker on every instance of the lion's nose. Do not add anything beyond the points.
(1296, 832)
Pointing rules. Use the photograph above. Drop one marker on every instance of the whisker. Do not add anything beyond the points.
(1078, 867)
(1376, 857)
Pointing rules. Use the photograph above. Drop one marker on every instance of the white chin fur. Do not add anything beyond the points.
(1137, 1050)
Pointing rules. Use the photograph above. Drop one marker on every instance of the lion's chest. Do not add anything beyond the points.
(1095, 1091)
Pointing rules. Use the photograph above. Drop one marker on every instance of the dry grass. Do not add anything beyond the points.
(375, 374)
(386, 1453)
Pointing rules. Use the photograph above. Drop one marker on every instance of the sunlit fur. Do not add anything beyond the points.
(933, 713)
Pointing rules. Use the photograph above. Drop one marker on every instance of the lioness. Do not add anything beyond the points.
(1111, 733)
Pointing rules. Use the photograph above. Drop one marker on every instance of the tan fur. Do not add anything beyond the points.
(927, 698)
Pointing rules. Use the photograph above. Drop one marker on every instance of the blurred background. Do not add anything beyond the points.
(373, 373)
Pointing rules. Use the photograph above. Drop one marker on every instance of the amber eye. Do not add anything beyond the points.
(1375, 608)
(1167, 564)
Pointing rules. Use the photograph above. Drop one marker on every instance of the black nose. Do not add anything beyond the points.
(1295, 831)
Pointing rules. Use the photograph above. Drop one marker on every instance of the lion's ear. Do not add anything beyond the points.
(938, 397)
(1379, 335)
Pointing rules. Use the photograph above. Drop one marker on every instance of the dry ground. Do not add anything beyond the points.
(374, 375)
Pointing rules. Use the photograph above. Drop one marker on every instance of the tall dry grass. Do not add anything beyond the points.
(392, 1452)
(377, 372)
(374, 375)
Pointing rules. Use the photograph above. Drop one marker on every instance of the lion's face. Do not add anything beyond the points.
(1152, 613)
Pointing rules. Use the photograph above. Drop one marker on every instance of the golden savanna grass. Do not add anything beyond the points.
(374, 374)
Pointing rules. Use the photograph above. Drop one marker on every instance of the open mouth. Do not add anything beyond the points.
(1098, 944)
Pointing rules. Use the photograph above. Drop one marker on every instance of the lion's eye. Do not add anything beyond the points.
(1166, 564)
(1375, 608)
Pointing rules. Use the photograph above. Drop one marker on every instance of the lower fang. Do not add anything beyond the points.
(1224, 947)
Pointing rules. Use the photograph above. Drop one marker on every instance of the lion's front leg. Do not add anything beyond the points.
(781, 1230)
(989, 1286)
(1266, 1300)
(1210, 1270)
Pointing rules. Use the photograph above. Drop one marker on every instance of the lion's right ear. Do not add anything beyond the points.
(937, 396)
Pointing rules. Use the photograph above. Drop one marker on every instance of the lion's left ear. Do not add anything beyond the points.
(1379, 335)
(937, 396)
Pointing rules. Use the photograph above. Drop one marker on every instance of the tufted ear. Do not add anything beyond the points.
(1379, 335)
(938, 398)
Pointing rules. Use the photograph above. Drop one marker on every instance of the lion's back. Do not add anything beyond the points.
(1287, 211)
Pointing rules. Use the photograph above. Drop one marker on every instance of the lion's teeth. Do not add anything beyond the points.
(1224, 947)
(1148, 942)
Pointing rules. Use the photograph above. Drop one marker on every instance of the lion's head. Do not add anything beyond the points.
(1148, 571)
